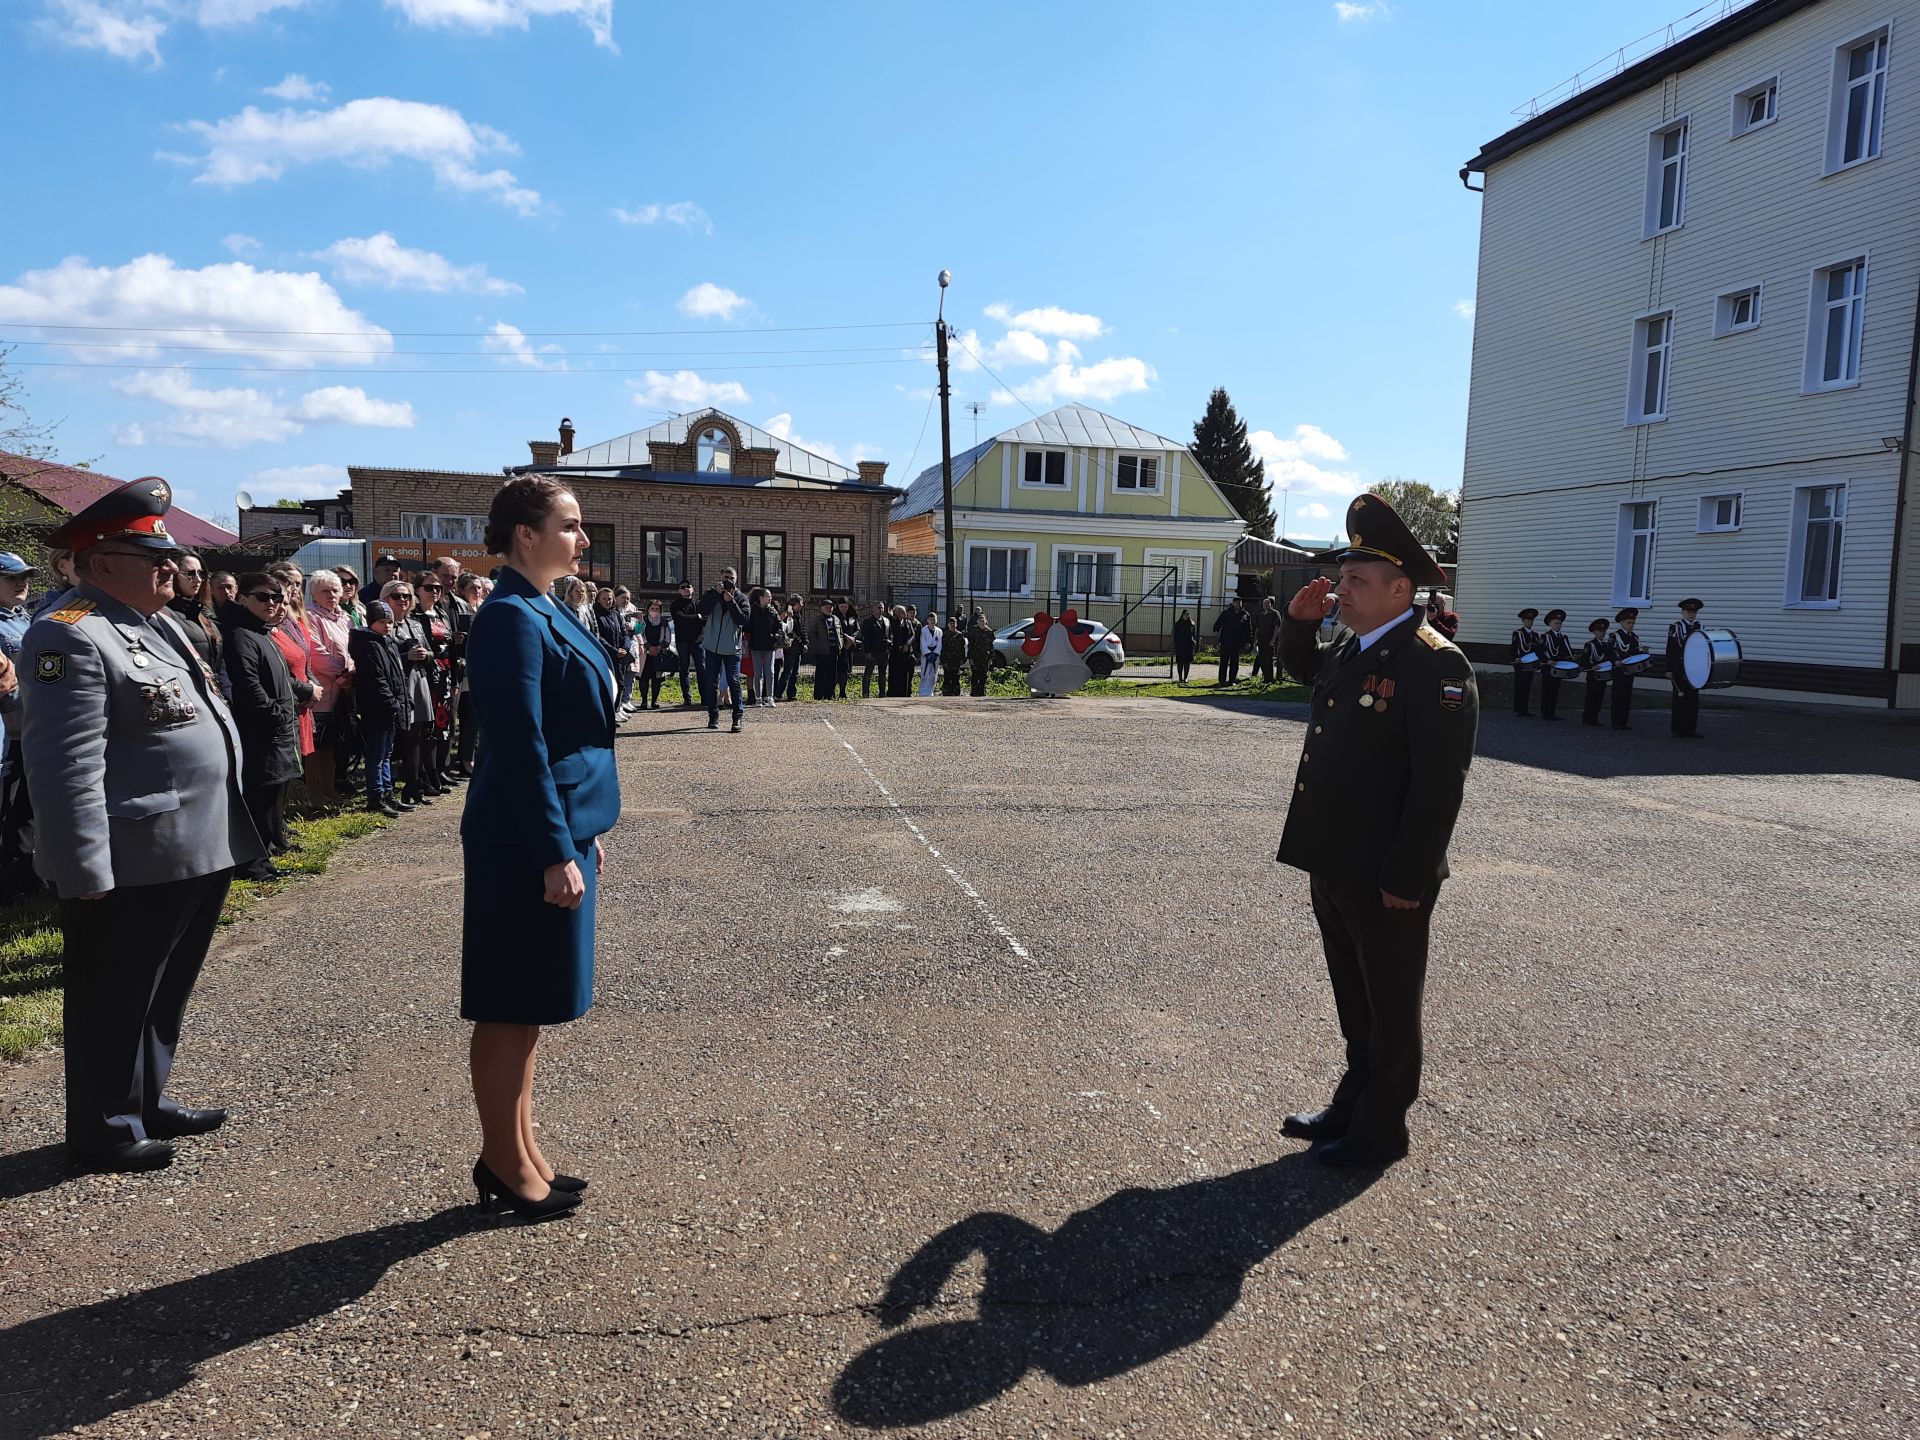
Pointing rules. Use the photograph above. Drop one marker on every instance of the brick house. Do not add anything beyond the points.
(675, 501)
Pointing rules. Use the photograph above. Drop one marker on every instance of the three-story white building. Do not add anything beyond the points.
(1694, 351)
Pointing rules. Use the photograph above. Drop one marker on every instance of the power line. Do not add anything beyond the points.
(318, 350)
(504, 368)
(468, 334)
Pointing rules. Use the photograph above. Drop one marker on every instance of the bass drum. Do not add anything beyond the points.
(1711, 659)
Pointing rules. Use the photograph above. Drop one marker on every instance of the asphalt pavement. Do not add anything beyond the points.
(934, 1086)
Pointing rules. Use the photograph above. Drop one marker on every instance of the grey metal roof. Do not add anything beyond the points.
(1069, 425)
(631, 449)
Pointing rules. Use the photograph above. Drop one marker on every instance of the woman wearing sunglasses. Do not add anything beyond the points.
(264, 710)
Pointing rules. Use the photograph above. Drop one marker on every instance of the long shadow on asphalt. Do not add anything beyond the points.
(80, 1366)
(28, 1172)
(1140, 1275)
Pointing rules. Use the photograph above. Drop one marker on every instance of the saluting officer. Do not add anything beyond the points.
(1686, 696)
(1625, 643)
(1374, 802)
(132, 761)
(1526, 641)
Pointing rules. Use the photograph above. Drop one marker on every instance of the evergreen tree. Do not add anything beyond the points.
(1220, 445)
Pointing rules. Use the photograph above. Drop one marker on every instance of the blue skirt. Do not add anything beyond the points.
(523, 961)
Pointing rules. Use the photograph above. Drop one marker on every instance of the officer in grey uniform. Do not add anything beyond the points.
(132, 762)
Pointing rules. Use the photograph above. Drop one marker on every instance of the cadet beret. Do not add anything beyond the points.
(1529, 613)
(1375, 532)
(133, 513)
(1627, 614)
(1691, 604)
(1596, 626)
(1553, 615)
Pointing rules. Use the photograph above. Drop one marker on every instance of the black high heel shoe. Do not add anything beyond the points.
(495, 1193)
(569, 1184)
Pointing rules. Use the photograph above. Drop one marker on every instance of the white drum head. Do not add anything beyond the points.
(1697, 659)
(1528, 659)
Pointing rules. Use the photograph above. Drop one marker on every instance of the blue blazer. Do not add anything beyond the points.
(544, 782)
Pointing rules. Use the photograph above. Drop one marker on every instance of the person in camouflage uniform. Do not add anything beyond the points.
(980, 652)
(953, 654)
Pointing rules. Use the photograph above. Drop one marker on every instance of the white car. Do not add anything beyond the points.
(1104, 656)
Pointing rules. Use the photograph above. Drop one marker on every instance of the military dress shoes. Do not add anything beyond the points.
(1352, 1153)
(175, 1123)
(134, 1155)
(1327, 1124)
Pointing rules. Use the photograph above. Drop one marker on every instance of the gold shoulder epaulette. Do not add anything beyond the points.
(67, 614)
(1433, 639)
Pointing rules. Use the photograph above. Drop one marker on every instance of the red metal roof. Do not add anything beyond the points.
(73, 490)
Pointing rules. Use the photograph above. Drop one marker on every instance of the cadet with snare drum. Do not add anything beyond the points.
(1596, 659)
(1630, 657)
(1557, 663)
(1524, 656)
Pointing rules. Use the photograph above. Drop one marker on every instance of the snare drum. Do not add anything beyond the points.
(1564, 669)
(1634, 664)
(1600, 671)
(1530, 658)
(1711, 659)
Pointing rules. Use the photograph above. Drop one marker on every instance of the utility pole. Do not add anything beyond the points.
(946, 449)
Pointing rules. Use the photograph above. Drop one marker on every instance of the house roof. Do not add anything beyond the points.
(631, 449)
(1069, 425)
(71, 489)
(1642, 75)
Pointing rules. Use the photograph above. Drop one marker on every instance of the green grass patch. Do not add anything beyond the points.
(31, 950)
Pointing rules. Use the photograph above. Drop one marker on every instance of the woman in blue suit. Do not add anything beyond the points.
(544, 790)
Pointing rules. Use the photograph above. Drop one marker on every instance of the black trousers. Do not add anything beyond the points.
(872, 665)
(1549, 696)
(846, 672)
(1377, 961)
(902, 670)
(1596, 697)
(693, 659)
(977, 681)
(1522, 687)
(1622, 702)
(1229, 667)
(1263, 663)
(132, 958)
(1686, 709)
(826, 676)
(263, 804)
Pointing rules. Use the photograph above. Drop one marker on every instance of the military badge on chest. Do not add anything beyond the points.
(167, 703)
(1376, 693)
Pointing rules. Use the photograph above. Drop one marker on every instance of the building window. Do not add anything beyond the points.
(1859, 100)
(596, 566)
(419, 525)
(1839, 314)
(1633, 554)
(765, 559)
(999, 569)
(1044, 468)
(1755, 106)
(1719, 512)
(664, 557)
(1187, 580)
(1137, 472)
(1736, 310)
(1085, 574)
(713, 451)
(1667, 178)
(833, 564)
(1813, 559)
(1652, 360)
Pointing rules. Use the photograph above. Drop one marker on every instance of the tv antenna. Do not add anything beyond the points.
(976, 406)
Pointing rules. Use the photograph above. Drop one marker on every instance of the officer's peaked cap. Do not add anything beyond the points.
(1374, 532)
(133, 514)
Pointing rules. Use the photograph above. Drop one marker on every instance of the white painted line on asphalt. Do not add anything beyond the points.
(954, 875)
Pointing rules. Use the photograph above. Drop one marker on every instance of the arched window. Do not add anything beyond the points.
(714, 451)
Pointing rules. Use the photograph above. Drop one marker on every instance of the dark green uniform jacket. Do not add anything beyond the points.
(1386, 755)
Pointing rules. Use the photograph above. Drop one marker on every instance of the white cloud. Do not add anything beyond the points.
(131, 29)
(596, 15)
(1464, 309)
(230, 419)
(1350, 12)
(381, 260)
(685, 390)
(781, 428)
(707, 301)
(1102, 380)
(1291, 463)
(1307, 442)
(297, 482)
(232, 307)
(1314, 510)
(510, 343)
(1018, 347)
(260, 145)
(241, 245)
(350, 405)
(296, 88)
(684, 213)
(1048, 320)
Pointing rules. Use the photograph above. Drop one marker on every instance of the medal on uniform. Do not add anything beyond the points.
(1366, 702)
(140, 659)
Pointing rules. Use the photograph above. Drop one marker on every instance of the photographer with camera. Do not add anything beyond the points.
(723, 628)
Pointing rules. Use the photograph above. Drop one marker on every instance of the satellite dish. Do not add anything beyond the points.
(242, 500)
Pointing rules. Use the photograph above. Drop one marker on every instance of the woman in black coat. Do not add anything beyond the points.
(414, 737)
(1186, 640)
(265, 708)
(193, 605)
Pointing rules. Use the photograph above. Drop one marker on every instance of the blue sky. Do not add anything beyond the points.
(1138, 202)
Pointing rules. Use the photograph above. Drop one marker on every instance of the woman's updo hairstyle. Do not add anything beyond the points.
(525, 501)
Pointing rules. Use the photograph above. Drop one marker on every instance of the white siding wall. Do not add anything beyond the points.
(1563, 272)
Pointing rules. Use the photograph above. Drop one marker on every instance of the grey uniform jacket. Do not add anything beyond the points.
(132, 757)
